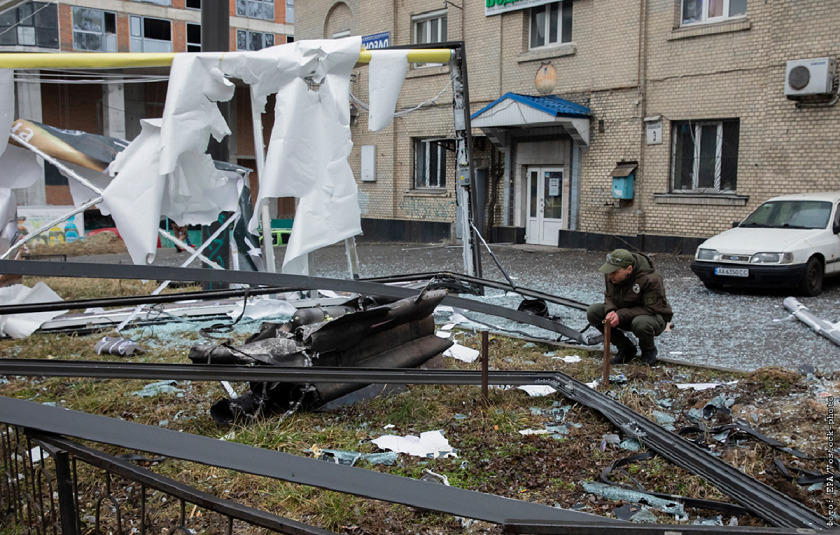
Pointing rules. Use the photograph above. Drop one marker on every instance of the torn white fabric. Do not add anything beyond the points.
(20, 168)
(137, 198)
(387, 74)
(307, 153)
(133, 198)
(191, 113)
(81, 193)
(309, 148)
(7, 104)
(462, 353)
(431, 444)
(22, 325)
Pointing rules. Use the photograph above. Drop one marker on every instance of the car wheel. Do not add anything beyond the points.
(713, 285)
(812, 281)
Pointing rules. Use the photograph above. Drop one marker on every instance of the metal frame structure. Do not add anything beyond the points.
(450, 52)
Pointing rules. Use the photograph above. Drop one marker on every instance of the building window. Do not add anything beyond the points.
(248, 40)
(430, 27)
(290, 11)
(150, 35)
(193, 4)
(193, 37)
(705, 156)
(705, 11)
(430, 163)
(94, 30)
(30, 24)
(255, 9)
(551, 24)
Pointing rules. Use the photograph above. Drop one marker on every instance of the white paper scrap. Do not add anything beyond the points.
(570, 359)
(538, 390)
(702, 386)
(443, 334)
(534, 432)
(431, 444)
(462, 353)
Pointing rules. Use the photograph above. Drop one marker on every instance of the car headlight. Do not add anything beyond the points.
(707, 254)
(771, 258)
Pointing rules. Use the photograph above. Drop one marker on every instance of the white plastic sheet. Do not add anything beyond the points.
(387, 74)
(22, 325)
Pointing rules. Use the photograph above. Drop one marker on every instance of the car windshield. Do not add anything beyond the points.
(790, 214)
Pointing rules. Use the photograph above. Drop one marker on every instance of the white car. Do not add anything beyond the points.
(790, 241)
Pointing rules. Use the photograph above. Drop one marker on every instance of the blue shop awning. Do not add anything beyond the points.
(515, 110)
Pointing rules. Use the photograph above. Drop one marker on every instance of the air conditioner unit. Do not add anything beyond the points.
(813, 76)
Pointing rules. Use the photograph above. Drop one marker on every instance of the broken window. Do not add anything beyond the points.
(94, 30)
(150, 35)
(248, 40)
(255, 9)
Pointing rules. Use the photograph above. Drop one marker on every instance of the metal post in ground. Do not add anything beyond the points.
(66, 498)
(485, 367)
(605, 381)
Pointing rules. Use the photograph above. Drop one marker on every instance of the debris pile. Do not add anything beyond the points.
(359, 334)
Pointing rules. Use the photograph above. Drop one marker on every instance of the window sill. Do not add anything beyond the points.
(431, 192)
(418, 72)
(565, 49)
(697, 30)
(702, 199)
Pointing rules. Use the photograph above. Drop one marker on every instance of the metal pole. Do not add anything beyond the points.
(215, 37)
(605, 380)
(66, 498)
(464, 163)
(485, 367)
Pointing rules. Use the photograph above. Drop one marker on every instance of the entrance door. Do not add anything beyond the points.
(546, 206)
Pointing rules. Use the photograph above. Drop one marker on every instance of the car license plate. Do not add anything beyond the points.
(732, 272)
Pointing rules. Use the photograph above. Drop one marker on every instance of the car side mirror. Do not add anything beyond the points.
(735, 224)
(836, 228)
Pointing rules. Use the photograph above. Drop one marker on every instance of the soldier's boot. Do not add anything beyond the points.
(649, 356)
(626, 348)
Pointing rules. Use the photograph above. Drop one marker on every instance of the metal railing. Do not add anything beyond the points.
(51, 485)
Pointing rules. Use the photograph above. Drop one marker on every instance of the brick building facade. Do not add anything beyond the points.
(112, 102)
(685, 97)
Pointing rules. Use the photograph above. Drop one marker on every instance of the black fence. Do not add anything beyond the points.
(51, 485)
